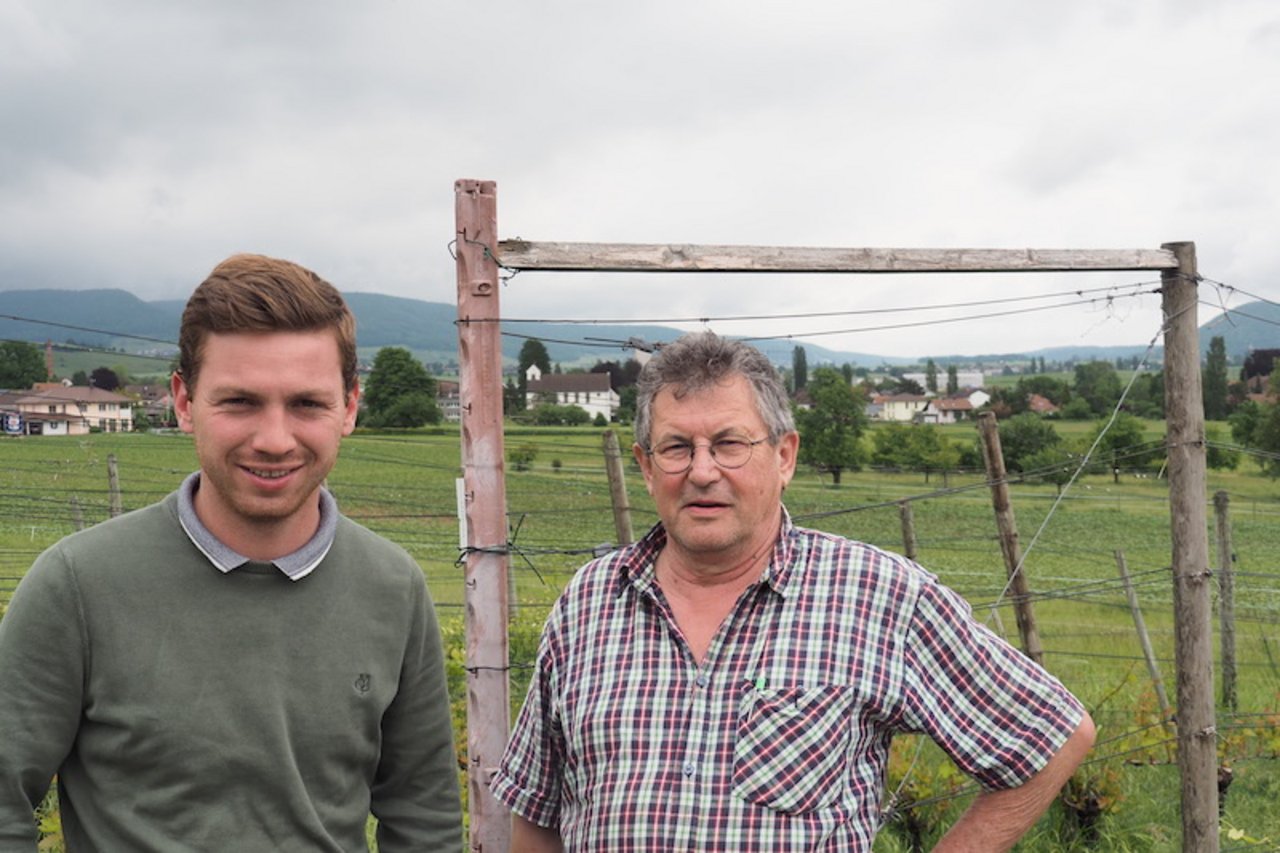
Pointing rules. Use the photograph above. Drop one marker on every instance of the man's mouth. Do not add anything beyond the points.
(269, 475)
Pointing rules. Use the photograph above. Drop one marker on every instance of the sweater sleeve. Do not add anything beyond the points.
(415, 796)
(42, 676)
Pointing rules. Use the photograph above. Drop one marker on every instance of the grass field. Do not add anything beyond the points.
(403, 487)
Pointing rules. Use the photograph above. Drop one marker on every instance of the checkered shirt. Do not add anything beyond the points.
(779, 740)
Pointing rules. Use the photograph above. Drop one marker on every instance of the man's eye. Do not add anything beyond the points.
(674, 451)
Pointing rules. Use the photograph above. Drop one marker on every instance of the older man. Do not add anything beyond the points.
(732, 682)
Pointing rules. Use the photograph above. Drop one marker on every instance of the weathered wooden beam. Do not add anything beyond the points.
(642, 257)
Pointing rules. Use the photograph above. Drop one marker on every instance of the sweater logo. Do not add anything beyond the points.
(363, 683)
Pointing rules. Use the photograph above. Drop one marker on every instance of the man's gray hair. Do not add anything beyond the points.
(700, 359)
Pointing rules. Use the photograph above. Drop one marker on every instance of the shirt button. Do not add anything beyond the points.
(703, 681)
(688, 768)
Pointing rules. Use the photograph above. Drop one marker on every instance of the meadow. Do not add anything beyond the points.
(1125, 798)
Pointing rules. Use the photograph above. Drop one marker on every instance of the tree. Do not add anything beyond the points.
(931, 376)
(953, 379)
(831, 430)
(80, 379)
(799, 368)
(104, 378)
(1098, 384)
(1023, 436)
(1053, 464)
(1125, 444)
(533, 351)
(1214, 380)
(399, 392)
(21, 365)
(1266, 436)
(552, 414)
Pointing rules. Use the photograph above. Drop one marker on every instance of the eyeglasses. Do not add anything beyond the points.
(676, 457)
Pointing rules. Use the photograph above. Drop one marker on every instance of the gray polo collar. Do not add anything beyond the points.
(295, 566)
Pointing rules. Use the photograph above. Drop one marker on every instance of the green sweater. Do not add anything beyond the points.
(185, 709)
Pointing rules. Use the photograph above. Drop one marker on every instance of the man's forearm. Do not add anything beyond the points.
(528, 837)
(997, 819)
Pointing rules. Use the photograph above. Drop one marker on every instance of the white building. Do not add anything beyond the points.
(590, 391)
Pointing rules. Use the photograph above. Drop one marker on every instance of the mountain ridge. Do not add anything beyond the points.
(106, 317)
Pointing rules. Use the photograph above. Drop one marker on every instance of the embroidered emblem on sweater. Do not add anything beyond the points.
(363, 683)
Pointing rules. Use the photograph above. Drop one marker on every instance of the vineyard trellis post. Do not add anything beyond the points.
(618, 489)
(1193, 635)
(1007, 529)
(477, 246)
(485, 502)
(907, 517)
(1144, 638)
(1226, 599)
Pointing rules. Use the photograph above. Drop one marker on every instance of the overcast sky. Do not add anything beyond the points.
(143, 141)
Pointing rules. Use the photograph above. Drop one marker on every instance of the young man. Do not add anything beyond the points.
(732, 682)
(238, 667)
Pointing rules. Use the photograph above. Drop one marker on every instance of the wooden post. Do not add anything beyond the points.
(617, 489)
(908, 518)
(113, 486)
(1193, 638)
(1226, 600)
(1008, 530)
(1153, 667)
(487, 563)
(77, 514)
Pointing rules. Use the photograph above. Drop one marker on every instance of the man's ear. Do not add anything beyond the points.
(645, 461)
(352, 409)
(181, 393)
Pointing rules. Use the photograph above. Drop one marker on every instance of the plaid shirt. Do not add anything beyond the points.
(779, 740)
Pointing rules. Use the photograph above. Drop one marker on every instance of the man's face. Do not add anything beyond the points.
(714, 515)
(268, 412)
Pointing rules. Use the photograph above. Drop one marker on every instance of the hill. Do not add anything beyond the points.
(118, 319)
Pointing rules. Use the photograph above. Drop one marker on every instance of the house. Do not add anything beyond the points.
(55, 409)
(964, 378)
(901, 408)
(953, 408)
(1041, 405)
(448, 398)
(590, 391)
(155, 401)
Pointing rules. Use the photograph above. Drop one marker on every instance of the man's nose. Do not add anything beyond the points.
(273, 434)
(702, 464)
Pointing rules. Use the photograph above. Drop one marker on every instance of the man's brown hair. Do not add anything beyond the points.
(254, 293)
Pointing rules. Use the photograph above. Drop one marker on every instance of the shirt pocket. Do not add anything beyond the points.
(791, 750)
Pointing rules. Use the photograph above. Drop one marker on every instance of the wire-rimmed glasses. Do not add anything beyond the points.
(676, 457)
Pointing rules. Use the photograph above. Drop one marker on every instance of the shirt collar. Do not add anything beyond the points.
(637, 566)
(295, 566)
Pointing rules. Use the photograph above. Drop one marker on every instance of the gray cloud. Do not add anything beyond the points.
(146, 140)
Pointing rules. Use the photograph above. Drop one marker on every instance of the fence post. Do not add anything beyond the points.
(617, 489)
(1226, 599)
(485, 500)
(77, 514)
(1153, 667)
(1008, 531)
(1193, 635)
(113, 486)
(908, 517)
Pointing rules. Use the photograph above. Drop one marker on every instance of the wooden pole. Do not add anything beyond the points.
(908, 518)
(113, 486)
(1153, 666)
(617, 489)
(77, 514)
(487, 563)
(1008, 530)
(1226, 599)
(1193, 638)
